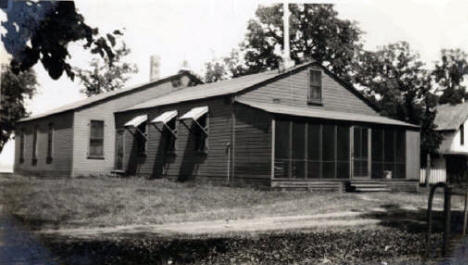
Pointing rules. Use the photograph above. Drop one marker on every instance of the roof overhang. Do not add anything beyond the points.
(281, 109)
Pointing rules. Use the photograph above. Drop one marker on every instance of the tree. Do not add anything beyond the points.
(42, 30)
(316, 33)
(103, 76)
(395, 79)
(14, 90)
(449, 75)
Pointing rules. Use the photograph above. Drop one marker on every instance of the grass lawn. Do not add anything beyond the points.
(105, 201)
(87, 203)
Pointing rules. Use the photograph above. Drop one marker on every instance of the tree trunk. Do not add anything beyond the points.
(428, 169)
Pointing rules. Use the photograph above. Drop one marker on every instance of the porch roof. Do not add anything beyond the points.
(321, 113)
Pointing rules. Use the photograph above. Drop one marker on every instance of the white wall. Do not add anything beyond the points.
(451, 142)
(82, 165)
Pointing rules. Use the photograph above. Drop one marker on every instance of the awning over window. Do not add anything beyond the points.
(165, 117)
(195, 113)
(136, 121)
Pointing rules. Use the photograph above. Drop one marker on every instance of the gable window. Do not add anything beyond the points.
(462, 134)
(21, 159)
(34, 147)
(199, 127)
(96, 139)
(50, 135)
(315, 87)
(166, 124)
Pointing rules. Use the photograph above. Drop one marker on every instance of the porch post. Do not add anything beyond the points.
(351, 151)
(273, 135)
(369, 152)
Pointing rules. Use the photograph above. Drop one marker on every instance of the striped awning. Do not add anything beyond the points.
(165, 117)
(195, 113)
(136, 121)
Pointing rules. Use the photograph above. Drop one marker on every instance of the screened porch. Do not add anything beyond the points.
(320, 149)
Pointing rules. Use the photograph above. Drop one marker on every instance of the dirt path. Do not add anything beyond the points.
(282, 223)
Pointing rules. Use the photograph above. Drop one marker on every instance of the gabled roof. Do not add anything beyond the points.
(220, 88)
(276, 108)
(450, 117)
(108, 95)
(233, 86)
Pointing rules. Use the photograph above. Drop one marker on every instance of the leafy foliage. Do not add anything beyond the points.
(14, 90)
(449, 75)
(104, 76)
(394, 78)
(315, 32)
(344, 247)
(41, 31)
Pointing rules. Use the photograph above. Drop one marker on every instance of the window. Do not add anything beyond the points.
(199, 133)
(21, 146)
(96, 139)
(140, 138)
(50, 135)
(462, 134)
(34, 147)
(315, 86)
(169, 136)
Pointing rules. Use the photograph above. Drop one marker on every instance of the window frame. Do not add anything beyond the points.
(170, 135)
(141, 135)
(203, 132)
(50, 143)
(318, 85)
(91, 138)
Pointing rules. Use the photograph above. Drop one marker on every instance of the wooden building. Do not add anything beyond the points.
(450, 162)
(79, 138)
(302, 127)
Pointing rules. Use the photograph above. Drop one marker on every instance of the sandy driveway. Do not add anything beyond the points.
(280, 223)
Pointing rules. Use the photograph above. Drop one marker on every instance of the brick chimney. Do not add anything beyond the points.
(287, 62)
(155, 64)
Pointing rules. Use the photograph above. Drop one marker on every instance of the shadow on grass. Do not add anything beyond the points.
(415, 221)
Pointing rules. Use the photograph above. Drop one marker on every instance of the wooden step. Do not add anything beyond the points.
(367, 186)
(308, 185)
(373, 190)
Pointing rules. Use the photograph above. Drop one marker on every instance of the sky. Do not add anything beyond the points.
(200, 30)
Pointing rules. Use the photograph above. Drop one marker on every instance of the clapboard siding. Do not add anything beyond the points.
(82, 165)
(293, 90)
(413, 145)
(61, 146)
(186, 163)
(252, 143)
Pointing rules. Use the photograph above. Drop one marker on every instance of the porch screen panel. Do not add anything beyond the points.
(377, 153)
(342, 139)
(328, 151)
(314, 164)
(400, 147)
(298, 150)
(282, 148)
(389, 150)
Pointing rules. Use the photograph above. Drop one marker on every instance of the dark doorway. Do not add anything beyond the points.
(361, 152)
